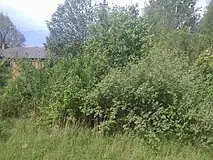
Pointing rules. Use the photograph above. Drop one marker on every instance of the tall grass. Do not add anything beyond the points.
(27, 141)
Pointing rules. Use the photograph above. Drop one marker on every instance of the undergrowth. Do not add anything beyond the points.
(28, 141)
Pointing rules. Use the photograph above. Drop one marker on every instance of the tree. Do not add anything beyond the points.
(123, 37)
(68, 26)
(171, 14)
(174, 22)
(206, 28)
(10, 36)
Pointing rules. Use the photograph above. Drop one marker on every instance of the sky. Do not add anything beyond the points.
(30, 16)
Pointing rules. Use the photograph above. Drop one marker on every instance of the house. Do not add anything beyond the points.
(34, 54)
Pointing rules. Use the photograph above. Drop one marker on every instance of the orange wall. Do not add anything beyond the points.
(37, 64)
(16, 70)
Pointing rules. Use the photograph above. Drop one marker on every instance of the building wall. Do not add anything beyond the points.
(37, 64)
(16, 70)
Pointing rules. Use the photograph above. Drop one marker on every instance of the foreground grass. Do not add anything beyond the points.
(27, 142)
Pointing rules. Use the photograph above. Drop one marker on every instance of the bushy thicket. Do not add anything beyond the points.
(4, 76)
(22, 95)
(159, 96)
(123, 82)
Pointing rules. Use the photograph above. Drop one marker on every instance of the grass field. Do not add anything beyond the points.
(27, 142)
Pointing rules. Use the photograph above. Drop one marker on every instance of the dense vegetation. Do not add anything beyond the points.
(29, 142)
(121, 72)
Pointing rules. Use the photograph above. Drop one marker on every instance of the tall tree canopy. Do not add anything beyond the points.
(171, 14)
(206, 26)
(9, 34)
(68, 25)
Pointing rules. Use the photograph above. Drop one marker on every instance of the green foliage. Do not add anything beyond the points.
(23, 94)
(123, 38)
(182, 43)
(205, 28)
(174, 25)
(164, 15)
(68, 26)
(9, 34)
(63, 93)
(160, 96)
(27, 141)
(153, 98)
(4, 73)
(205, 63)
(5, 127)
(121, 81)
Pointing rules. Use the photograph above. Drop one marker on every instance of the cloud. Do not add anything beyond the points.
(35, 12)
(30, 15)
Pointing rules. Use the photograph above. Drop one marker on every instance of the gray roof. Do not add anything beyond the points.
(24, 52)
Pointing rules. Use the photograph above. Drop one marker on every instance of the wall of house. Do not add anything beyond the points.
(16, 70)
(37, 64)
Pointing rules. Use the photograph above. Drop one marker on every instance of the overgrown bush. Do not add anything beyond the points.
(4, 74)
(23, 94)
(205, 64)
(5, 127)
(160, 96)
(121, 39)
(121, 83)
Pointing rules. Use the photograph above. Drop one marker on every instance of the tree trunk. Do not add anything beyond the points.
(3, 45)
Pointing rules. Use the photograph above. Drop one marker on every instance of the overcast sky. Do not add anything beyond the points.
(29, 15)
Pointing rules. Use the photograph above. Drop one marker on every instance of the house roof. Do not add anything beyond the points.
(24, 52)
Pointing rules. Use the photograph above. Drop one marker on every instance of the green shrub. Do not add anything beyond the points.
(121, 84)
(160, 96)
(123, 38)
(5, 127)
(205, 64)
(24, 94)
(4, 74)
(181, 42)
(156, 98)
